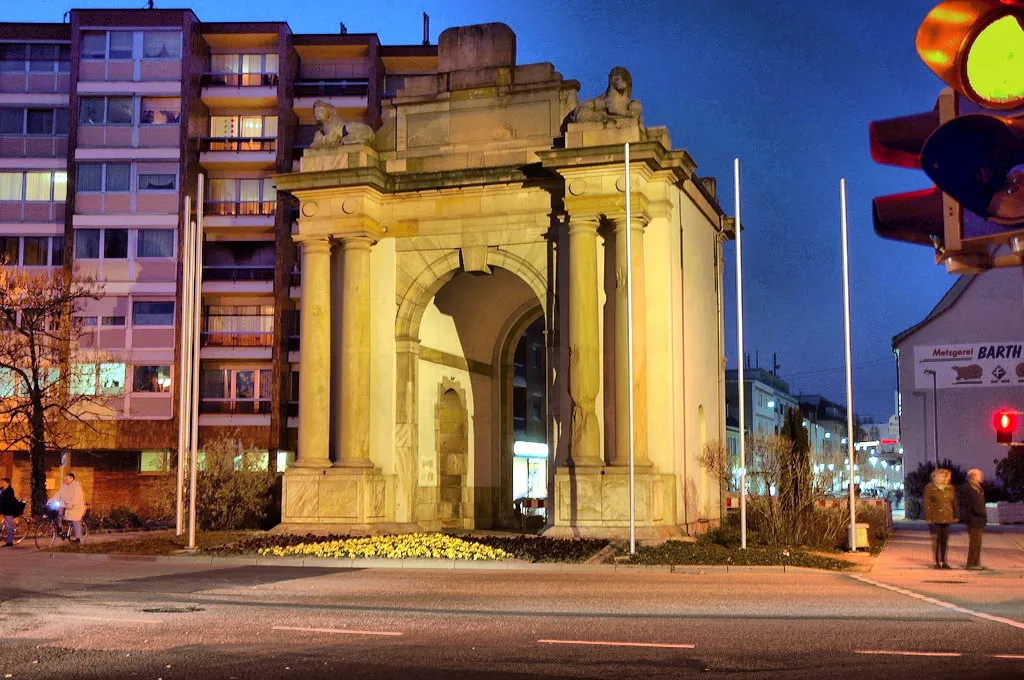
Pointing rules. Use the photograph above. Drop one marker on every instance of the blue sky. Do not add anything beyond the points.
(787, 86)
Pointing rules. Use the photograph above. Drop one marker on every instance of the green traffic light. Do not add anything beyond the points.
(995, 63)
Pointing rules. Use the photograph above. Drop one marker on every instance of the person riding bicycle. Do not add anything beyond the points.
(70, 503)
(8, 509)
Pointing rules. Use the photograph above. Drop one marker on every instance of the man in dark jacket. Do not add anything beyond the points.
(975, 517)
(7, 508)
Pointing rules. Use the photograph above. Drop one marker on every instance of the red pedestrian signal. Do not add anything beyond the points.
(1005, 423)
(977, 48)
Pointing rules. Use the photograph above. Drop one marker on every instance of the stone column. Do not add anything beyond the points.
(315, 355)
(354, 448)
(621, 453)
(584, 354)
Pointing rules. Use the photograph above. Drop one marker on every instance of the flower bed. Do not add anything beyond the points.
(701, 553)
(406, 546)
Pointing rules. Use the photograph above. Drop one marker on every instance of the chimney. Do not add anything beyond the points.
(426, 29)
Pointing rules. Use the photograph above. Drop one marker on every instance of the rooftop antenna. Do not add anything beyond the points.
(426, 29)
(150, 5)
(342, 28)
(67, 16)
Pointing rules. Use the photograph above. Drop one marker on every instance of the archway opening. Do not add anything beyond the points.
(530, 452)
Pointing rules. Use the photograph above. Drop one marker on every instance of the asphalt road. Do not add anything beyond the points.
(74, 617)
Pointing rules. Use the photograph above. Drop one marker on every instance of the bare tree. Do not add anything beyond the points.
(44, 372)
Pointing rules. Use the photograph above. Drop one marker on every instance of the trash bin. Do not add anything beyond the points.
(861, 536)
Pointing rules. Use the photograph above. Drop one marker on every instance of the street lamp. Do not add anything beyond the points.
(935, 413)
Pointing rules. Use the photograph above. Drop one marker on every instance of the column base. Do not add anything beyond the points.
(349, 496)
(595, 502)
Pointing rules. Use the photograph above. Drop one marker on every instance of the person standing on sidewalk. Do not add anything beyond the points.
(940, 512)
(975, 516)
(8, 509)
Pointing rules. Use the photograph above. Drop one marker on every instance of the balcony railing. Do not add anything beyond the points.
(238, 407)
(240, 207)
(238, 144)
(236, 339)
(238, 272)
(239, 80)
(348, 87)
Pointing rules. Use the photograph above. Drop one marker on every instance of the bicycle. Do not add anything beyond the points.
(21, 529)
(52, 527)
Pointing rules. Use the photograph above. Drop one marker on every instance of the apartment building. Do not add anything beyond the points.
(107, 122)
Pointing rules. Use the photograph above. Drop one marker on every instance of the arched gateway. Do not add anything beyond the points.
(463, 331)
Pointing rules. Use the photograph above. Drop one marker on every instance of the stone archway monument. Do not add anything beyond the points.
(486, 168)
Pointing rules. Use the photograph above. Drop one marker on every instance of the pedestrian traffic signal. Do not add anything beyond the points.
(978, 159)
(977, 48)
(1005, 423)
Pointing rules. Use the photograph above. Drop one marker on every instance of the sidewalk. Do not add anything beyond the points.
(909, 550)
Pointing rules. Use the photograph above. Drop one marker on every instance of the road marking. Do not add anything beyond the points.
(941, 603)
(342, 631)
(614, 644)
(1008, 656)
(107, 619)
(895, 653)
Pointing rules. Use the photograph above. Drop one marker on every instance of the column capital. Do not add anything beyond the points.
(584, 223)
(638, 221)
(312, 243)
(359, 241)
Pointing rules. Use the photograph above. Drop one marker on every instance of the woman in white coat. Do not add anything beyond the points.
(71, 500)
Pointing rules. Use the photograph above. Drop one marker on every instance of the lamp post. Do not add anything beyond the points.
(935, 413)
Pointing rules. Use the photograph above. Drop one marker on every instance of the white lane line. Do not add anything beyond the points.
(1008, 656)
(613, 644)
(107, 619)
(341, 631)
(895, 653)
(940, 603)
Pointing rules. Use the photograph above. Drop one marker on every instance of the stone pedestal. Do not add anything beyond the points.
(340, 157)
(595, 502)
(355, 497)
(612, 131)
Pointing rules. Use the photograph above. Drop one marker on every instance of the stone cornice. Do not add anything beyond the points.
(395, 183)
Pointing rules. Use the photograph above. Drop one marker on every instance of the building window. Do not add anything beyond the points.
(238, 391)
(36, 251)
(115, 244)
(107, 44)
(243, 126)
(158, 182)
(153, 313)
(33, 186)
(104, 378)
(87, 244)
(9, 249)
(12, 121)
(154, 462)
(12, 58)
(161, 45)
(106, 110)
(160, 111)
(38, 57)
(151, 379)
(48, 122)
(95, 177)
(155, 243)
(112, 321)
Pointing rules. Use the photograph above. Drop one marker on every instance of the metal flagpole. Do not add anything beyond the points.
(194, 377)
(629, 361)
(849, 366)
(184, 427)
(739, 337)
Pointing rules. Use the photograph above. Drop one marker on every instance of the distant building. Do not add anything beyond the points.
(766, 399)
(973, 341)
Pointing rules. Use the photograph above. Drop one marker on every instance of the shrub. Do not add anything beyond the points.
(1010, 471)
(118, 517)
(915, 482)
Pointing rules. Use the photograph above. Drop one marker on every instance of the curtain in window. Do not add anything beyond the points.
(38, 186)
(156, 243)
(119, 177)
(10, 186)
(161, 45)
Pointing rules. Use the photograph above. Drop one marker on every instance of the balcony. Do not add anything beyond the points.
(246, 90)
(236, 339)
(242, 153)
(347, 93)
(239, 272)
(240, 208)
(234, 407)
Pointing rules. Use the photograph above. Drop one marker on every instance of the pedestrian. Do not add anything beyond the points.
(8, 508)
(70, 500)
(975, 516)
(940, 511)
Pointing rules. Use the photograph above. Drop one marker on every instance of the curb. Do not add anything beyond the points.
(446, 565)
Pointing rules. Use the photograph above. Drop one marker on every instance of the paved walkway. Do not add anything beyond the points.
(909, 550)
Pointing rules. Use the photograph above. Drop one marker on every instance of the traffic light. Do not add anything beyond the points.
(976, 156)
(1005, 423)
(977, 48)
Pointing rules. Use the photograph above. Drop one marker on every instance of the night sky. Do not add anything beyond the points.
(788, 87)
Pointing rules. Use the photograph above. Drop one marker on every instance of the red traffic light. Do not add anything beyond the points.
(1005, 423)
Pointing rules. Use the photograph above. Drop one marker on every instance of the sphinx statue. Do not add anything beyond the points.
(334, 131)
(616, 102)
